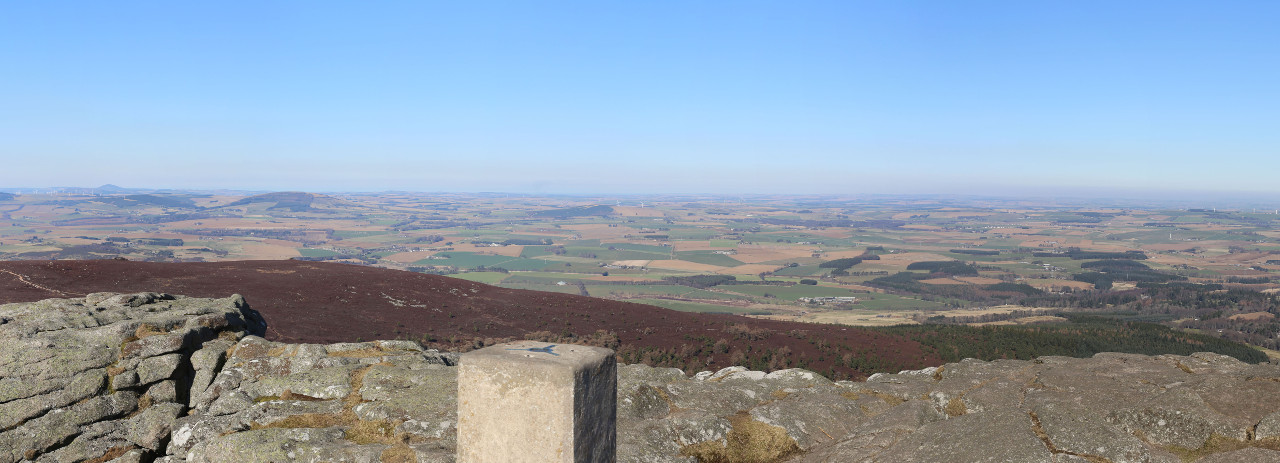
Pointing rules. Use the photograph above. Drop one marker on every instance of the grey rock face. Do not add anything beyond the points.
(151, 427)
(72, 370)
(149, 376)
(306, 402)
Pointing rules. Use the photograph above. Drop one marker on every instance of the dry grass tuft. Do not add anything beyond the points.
(306, 420)
(888, 398)
(749, 441)
(147, 330)
(361, 353)
(955, 407)
(399, 453)
(113, 453)
(372, 432)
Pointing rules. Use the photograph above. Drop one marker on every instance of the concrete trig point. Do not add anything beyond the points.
(537, 402)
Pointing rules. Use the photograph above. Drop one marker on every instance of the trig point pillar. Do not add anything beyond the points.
(536, 402)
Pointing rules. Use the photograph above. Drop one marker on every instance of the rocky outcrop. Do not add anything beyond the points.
(106, 374)
(373, 401)
(137, 377)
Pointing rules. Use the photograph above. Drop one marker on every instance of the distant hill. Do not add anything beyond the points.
(6, 196)
(294, 201)
(576, 211)
(150, 200)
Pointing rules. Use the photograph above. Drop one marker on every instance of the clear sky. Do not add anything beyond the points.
(1007, 97)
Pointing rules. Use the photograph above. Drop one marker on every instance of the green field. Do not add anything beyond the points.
(801, 271)
(890, 302)
(692, 306)
(489, 278)
(789, 293)
(309, 252)
(660, 250)
(349, 234)
(468, 260)
(568, 289)
(709, 258)
(1227, 243)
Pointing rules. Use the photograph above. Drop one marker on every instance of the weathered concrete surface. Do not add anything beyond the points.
(535, 402)
(71, 390)
(80, 377)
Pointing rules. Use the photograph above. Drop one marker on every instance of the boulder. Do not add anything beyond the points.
(72, 370)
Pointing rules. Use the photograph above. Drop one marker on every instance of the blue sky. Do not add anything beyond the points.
(993, 97)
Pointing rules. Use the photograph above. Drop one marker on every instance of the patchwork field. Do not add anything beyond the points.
(813, 259)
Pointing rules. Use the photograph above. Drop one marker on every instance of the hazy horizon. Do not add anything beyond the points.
(1226, 200)
(1136, 99)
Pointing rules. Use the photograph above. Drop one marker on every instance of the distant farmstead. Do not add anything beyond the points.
(829, 300)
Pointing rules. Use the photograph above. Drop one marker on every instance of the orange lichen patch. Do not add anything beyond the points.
(1253, 316)
(749, 269)
(683, 265)
(979, 280)
(942, 281)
